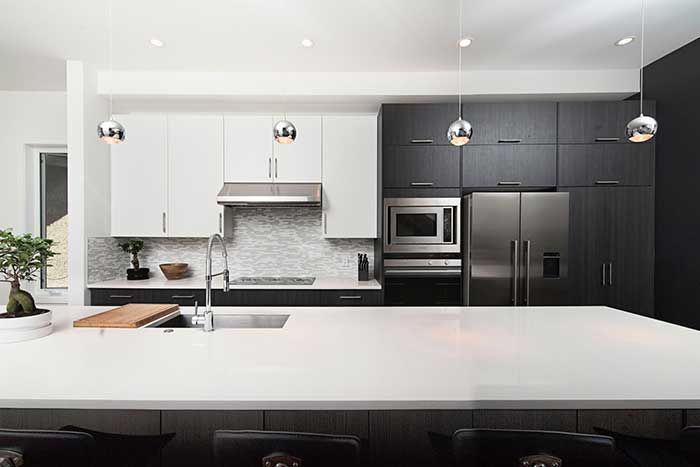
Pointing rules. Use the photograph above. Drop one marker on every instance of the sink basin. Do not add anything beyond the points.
(230, 322)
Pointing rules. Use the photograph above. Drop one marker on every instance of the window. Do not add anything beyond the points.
(53, 185)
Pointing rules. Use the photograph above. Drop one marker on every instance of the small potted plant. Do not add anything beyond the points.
(133, 247)
(21, 257)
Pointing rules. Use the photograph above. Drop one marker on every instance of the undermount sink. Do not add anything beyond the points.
(230, 322)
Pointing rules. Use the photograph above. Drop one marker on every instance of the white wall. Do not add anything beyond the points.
(88, 173)
(26, 118)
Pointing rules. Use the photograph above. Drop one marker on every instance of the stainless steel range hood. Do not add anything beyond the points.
(270, 194)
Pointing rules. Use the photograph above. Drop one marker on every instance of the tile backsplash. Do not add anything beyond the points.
(260, 241)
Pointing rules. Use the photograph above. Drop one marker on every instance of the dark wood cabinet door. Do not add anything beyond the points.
(417, 124)
(589, 245)
(512, 123)
(184, 297)
(421, 167)
(351, 297)
(266, 297)
(606, 164)
(631, 268)
(595, 122)
(413, 291)
(118, 297)
(509, 165)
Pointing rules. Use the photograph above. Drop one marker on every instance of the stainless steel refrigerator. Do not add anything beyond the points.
(516, 248)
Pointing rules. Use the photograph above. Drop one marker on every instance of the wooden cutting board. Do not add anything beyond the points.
(133, 315)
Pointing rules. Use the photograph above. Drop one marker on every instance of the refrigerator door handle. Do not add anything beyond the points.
(526, 245)
(516, 271)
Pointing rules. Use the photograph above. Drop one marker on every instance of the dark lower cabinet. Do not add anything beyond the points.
(509, 166)
(421, 167)
(548, 420)
(351, 297)
(268, 297)
(414, 291)
(660, 424)
(118, 297)
(611, 246)
(606, 164)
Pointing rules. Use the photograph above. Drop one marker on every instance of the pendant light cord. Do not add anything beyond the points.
(111, 45)
(641, 62)
(459, 61)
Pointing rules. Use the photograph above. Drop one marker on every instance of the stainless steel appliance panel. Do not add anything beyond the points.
(494, 234)
(422, 225)
(544, 234)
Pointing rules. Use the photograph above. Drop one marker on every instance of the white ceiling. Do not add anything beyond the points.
(37, 36)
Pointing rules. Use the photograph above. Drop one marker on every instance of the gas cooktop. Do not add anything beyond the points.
(269, 280)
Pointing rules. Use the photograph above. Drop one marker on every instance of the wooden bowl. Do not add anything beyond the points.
(174, 271)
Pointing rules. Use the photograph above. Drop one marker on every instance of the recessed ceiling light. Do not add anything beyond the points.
(465, 42)
(307, 42)
(625, 41)
(157, 42)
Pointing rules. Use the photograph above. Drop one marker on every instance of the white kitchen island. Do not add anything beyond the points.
(364, 358)
(387, 375)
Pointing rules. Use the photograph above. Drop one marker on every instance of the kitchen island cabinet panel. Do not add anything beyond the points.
(333, 422)
(192, 445)
(550, 420)
(134, 422)
(692, 418)
(400, 437)
(665, 424)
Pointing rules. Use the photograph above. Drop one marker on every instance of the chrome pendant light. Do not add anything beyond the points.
(642, 128)
(460, 131)
(284, 132)
(110, 131)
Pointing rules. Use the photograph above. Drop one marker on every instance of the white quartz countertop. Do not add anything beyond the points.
(160, 282)
(364, 358)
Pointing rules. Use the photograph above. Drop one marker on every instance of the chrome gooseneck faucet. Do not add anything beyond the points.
(208, 318)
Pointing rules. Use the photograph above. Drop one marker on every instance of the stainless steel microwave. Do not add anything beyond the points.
(422, 225)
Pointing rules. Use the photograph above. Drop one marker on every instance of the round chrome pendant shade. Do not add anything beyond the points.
(641, 129)
(111, 132)
(459, 132)
(284, 132)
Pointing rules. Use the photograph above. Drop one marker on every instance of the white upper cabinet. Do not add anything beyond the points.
(300, 161)
(195, 174)
(139, 191)
(248, 148)
(350, 176)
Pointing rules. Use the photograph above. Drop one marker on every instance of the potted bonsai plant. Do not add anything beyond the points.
(21, 257)
(133, 247)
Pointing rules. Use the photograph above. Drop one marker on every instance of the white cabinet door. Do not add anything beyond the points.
(350, 177)
(300, 161)
(248, 148)
(196, 174)
(139, 178)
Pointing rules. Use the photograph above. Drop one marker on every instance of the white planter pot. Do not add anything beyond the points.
(25, 328)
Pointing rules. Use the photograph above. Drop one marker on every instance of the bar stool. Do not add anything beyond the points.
(523, 448)
(690, 444)
(38, 448)
(283, 449)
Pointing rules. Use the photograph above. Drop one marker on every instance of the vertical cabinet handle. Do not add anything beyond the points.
(164, 222)
(604, 282)
(527, 272)
(269, 167)
(516, 271)
(610, 279)
(325, 223)
(221, 223)
(276, 168)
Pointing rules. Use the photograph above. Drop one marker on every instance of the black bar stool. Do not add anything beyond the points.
(282, 449)
(508, 448)
(38, 448)
(690, 444)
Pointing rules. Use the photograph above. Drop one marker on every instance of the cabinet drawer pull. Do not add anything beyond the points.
(506, 140)
(421, 183)
(163, 222)
(269, 167)
(350, 297)
(121, 296)
(182, 297)
(276, 168)
(510, 183)
(607, 182)
(421, 141)
(607, 140)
